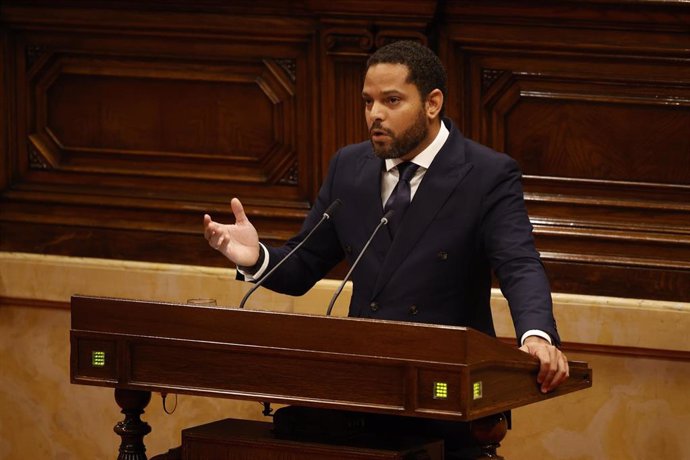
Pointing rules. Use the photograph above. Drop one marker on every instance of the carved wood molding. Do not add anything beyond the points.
(36, 160)
(363, 41)
(386, 36)
(33, 53)
(348, 41)
(289, 66)
(291, 177)
(489, 77)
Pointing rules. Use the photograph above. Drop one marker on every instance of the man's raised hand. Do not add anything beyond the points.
(239, 242)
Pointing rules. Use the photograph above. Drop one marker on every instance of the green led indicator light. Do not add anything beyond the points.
(98, 358)
(477, 390)
(440, 390)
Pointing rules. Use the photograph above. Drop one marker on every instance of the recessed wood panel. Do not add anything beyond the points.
(130, 114)
(633, 140)
(240, 371)
(228, 122)
(569, 126)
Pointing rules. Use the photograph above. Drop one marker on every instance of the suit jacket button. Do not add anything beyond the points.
(374, 306)
(348, 249)
(413, 310)
(442, 255)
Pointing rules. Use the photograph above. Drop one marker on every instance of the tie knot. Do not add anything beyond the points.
(406, 170)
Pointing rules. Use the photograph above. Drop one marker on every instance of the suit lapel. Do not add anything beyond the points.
(444, 175)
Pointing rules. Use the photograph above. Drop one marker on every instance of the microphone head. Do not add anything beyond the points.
(387, 216)
(332, 208)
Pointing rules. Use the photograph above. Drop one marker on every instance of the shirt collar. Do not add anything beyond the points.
(426, 156)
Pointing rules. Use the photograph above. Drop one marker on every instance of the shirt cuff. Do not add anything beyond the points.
(260, 271)
(536, 332)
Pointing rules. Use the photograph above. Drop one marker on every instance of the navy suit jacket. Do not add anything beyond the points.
(467, 218)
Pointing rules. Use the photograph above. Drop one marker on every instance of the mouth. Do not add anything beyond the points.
(378, 134)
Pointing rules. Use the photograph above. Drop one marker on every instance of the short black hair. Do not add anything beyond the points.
(426, 70)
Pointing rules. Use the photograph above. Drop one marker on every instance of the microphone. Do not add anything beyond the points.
(327, 214)
(384, 221)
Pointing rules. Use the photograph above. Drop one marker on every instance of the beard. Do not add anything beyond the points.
(403, 144)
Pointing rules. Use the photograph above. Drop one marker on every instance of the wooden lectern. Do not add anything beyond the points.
(383, 367)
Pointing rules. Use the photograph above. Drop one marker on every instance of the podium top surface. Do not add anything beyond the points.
(353, 336)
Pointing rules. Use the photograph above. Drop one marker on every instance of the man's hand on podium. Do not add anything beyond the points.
(239, 242)
(553, 369)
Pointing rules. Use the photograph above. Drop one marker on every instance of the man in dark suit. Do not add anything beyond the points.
(459, 214)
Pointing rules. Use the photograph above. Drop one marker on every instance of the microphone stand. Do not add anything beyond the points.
(326, 216)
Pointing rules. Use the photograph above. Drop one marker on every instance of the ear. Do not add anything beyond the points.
(434, 103)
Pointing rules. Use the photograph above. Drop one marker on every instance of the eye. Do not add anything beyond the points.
(393, 100)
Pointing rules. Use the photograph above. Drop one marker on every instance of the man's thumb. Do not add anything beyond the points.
(238, 211)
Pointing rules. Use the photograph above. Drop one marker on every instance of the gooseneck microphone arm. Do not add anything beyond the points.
(384, 221)
(328, 213)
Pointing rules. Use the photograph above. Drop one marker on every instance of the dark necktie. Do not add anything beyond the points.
(400, 198)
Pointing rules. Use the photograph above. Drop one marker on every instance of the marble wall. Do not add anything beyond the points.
(638, 408)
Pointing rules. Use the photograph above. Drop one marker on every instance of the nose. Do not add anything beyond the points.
(376, 112)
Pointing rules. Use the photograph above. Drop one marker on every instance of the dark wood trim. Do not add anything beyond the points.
(615, 350)
(24, 302)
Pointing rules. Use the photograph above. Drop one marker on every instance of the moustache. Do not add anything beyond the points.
(376, 126)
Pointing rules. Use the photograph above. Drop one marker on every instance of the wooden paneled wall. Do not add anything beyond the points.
(122, 122)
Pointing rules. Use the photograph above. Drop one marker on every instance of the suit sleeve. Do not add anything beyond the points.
(509, 244)
(317, 256)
